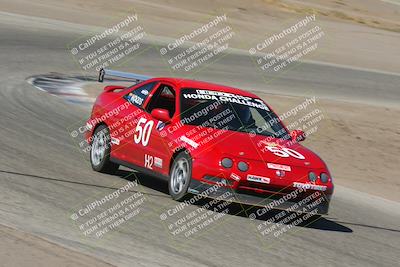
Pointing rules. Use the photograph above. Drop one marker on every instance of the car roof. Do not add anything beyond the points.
(194, 84)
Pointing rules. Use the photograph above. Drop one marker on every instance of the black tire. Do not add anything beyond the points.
(181, 194)
(102, 164)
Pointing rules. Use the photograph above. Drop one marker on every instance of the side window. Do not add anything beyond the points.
(269, 123)
(259, 120)
(139, 95)
(164, 98)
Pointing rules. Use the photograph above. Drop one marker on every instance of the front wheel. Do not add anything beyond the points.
(100, 150)
(180, 176)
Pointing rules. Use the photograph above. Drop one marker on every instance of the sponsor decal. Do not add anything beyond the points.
(226, 97)
(189, 141)
(280, 173)
(144, 92)
(114, 141)
(258, 179)
(148, 161)
(160, 125)
(279, 167)
(235, 177)
(193, 191)
(158, 162)
(309, 186)
(134, 99)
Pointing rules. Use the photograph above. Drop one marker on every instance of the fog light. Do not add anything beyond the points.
(312, 177)
(226, 163)
(324, 177)
(243, 166)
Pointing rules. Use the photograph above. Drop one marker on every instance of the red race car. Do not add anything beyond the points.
(206, 139)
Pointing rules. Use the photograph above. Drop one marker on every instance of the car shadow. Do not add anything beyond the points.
(144, 180)
(326, 224)
(236, 209)
(314, 222)
(322, 223)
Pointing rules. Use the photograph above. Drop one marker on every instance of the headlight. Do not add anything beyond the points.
(243, 166)
(226, 163)
(312, 177)
(324, 177)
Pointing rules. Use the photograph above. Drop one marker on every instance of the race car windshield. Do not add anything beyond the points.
(228, 111)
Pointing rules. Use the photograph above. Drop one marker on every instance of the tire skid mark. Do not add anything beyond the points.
(67, 87)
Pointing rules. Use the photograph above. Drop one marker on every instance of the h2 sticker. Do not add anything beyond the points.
(148, 161)
(143, 131)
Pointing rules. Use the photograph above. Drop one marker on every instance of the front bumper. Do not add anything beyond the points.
(315, 202)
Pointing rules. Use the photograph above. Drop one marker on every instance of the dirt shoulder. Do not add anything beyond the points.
(360, 33)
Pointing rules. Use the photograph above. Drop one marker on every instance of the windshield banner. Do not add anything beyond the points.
(226, 97)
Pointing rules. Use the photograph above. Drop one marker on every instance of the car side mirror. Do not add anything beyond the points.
(161, 114)
(298, 135)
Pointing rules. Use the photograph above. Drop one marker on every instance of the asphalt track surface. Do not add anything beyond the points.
(43, 175)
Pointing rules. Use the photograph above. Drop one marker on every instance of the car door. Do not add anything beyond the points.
(156, 152)
(129, 129)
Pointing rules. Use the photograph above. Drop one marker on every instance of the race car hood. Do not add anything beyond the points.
(256, 148)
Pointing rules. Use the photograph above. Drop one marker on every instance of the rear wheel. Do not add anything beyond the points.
(100, 150)
(180, 176)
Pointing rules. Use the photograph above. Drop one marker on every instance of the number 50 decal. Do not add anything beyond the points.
(285, 152)
(142, 133)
